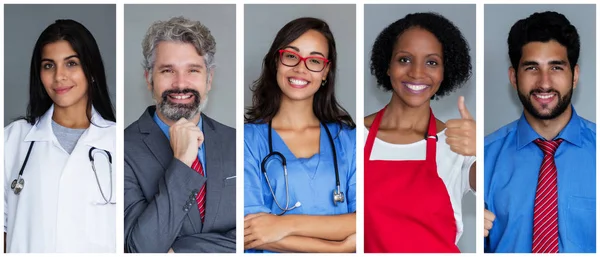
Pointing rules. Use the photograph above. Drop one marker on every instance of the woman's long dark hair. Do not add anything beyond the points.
(84, 44)
(267, 94)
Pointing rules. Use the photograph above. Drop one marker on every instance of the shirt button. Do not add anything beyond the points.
(190, 204)
(185, 208)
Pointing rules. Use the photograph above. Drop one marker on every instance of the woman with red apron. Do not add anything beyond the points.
(414, 186)
(407, 207)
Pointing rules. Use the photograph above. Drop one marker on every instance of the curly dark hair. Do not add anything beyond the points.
(543, 27)
(457, 61)
(267, 94)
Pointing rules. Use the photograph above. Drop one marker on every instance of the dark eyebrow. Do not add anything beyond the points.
(66, 58)
(529, 63)
(557, 62)
(311, 53)
(437, 55)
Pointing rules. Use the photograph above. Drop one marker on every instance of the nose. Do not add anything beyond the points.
(301, 67)
(544, 80)
(179, 80)
(60, 74)
(416, 70)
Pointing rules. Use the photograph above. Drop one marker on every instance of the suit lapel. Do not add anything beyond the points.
(214, 164)
(156, 140)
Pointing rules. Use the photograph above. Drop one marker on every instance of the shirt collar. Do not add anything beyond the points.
(570, 133)
(100, 134)
(165, 128)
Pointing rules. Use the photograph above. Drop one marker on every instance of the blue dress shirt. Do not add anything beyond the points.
(165, 129)
(512, 165)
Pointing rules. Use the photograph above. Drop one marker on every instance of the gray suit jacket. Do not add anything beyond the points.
(160, 207)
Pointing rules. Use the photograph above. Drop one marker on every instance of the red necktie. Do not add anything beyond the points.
(201, 197)
(545, 210)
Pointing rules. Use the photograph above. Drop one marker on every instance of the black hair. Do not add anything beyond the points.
(267, 94)
(543, 27)
(84, 44)
(457, 61)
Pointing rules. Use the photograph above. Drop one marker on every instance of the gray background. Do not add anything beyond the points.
(220, 19)
(23, 24)
(378, 17)
(502, 104)
(262, 22)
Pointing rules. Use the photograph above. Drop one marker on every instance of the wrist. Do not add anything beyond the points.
(288, 224)
(186, 162)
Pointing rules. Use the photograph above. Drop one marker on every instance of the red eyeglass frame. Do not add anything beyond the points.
(303, 59)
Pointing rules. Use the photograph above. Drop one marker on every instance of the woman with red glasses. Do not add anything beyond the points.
(299, 149)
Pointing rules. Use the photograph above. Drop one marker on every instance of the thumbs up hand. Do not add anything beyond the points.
(461, 133)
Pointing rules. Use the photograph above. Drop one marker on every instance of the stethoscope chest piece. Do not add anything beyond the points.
(17, 185)
(338, 196)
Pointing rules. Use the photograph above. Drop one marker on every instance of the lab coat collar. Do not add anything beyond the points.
(97, 135)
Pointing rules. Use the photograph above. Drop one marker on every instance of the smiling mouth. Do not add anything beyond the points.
(181, 97)
(62, 90)
(299, 83)
(544, 98)
(415, 88)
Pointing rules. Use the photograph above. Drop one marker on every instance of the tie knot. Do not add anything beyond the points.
(548, 147)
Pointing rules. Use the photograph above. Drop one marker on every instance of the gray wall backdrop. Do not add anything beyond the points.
(377, 17)
(220, 19)
(262, 22)
(502, 104)
(23, 24)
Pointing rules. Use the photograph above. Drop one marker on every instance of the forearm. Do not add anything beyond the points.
(331, 227)
(301, 244)
(206, 243)
(152, 225)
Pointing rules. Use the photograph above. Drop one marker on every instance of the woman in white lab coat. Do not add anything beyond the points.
(54, 201)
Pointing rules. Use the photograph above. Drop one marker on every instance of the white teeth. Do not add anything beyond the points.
(416, 87)
(181, 96)
(298, 82)
(544, 96)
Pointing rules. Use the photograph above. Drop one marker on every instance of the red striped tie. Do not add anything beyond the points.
(201, 197)
(545, 210)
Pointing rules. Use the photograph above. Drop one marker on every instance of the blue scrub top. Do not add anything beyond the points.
(311, 180)
(512, 166)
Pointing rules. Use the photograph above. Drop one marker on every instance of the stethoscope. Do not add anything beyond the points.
(338, 196)
(18, 184)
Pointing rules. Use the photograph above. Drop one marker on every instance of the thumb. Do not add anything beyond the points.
(462, 108)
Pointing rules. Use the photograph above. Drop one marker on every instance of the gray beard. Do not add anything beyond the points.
(175, 111)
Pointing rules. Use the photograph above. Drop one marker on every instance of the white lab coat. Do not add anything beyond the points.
(56, 210)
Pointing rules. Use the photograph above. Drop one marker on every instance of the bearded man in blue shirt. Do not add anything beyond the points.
(540, 170)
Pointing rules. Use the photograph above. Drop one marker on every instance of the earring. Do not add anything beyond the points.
(93, 80)
(323, 82)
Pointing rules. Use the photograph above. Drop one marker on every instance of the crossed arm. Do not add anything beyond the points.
(300, 233)
(154, 225)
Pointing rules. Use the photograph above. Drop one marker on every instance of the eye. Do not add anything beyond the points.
(72, 63)
(557, 68)
(290, 56)
(404, 60)
(432, 63)
(315, 61)
(47, 66)
(531, 68)
(166, 71)
(194, 71)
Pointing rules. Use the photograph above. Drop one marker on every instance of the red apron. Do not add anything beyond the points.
(407, 206)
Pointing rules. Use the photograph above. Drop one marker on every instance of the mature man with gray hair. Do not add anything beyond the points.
(179, 163)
